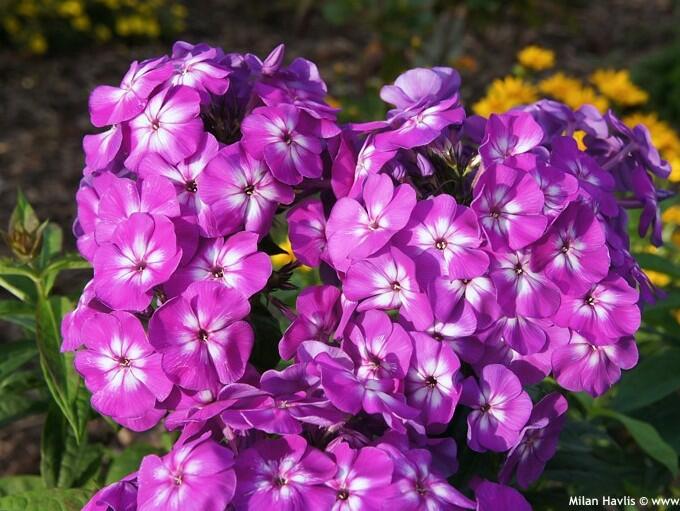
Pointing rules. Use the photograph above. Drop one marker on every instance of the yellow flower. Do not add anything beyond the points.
(280, 260)
(559, 85)
(504, 94)
(537, 58)
(333, 102)
(576, 98)
(37, 44)
(81, 23)
(672, 215)
(663, 135)
(674, 161)
(657, 278)
(618, 87)
(579, 136)
(70, 8)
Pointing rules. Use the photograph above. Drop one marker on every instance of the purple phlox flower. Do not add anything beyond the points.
(241, 191)
(509, 135)
(234, 261)
(388, 281)
(288, 139)
(596, 184)
(169, 125)
(318, 309)
(124, 197)
(431, 383)
(559, 188)
(363, 479)
(509, 204)
(307, 232)
(491, 497)
(605, 311)
(522, 290)
(89, 194)
(500, 409)
(120, 367)
(379, 348)
(184, 178)
(444, 238)
(638, 143)
(454, 318)
(343, 155)
(477, 292)
(72, 324)
(141, 254)
(426, 102)
(201, 336)
(573, 254)
(201, 69)
(178, 480)
(284, 474)
(351, 394)
(553, 117)
(370, 160)
(590, 120)
(645, 192)
(119, 496)
(523, 334)
(418, 486)
(583, 365)
(355, 231)
(101, 149)
(112, 105)
(537, 443)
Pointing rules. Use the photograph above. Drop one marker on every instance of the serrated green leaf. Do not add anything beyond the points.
(653, 379)
(647, 438)
(54, 499)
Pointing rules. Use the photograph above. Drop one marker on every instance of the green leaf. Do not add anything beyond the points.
(68, 261)
(14, 407)
(61, 378)
(128, 461)
(52, 244)
(21, 287)
(647, 438)
(653, 379)
(63, 458)
(13, 355)
(19, 313)
(25, 230)
(46, 500)
(12, 485)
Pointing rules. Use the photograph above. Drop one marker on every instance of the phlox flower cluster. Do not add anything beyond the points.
(463, 260)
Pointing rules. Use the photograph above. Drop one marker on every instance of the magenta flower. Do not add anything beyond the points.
(524, 335)
(491, 496)
(363, 479)
(583, 365)
(170, 126)
(445, 235)
(235, 262)
(241, 192)
(184, 177)
(478, 292)
(318, 310)
(431, 383)
(112, 105)
(454, 318)
(179, 480)
(500, 409)
(142, 254)
(284, 474)
(420, 488)
(199, 334)
(307, 232)
(387, 281)
(101, 149)
(120, 367)
(509, 203)
(522, 291)
(200, 68)
(573, 253)
(559, 188)
(124, 197)
(355, 231)
(606, 311)
(537, 443)
(379, 348)
(119, 496)
(288, 139)
(509, 135)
